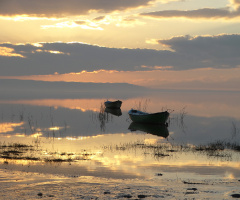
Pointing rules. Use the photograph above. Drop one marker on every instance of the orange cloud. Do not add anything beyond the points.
(6, 51)
(61, 8)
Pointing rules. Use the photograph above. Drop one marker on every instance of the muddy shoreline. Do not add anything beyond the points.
(29, 185)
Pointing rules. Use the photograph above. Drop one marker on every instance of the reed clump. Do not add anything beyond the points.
(18, 151)
(212, 149)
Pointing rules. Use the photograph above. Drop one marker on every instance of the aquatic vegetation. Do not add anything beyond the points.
(142, 105)
(101, 117)
(178, 118)
(218, 145)
(160, 150)
(234, 130)
(212, 146)
(57, 160)
(17, 151)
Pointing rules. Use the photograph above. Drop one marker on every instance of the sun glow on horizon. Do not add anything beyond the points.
(159, 77)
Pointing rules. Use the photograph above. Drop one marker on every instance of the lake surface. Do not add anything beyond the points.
(75, 137)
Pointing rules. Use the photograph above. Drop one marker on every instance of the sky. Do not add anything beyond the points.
(160, 44)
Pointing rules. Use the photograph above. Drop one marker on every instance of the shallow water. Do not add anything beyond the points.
(75, 138)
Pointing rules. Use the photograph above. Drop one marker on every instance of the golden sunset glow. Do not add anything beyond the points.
(5, 51)
(62, 61)
(55, 128)
(36, 135)
(82, 138)
(74, 104)
(210, 79)
(48, 51)
(68, 24)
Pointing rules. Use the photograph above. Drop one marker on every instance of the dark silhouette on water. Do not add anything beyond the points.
(154, 129)
(114, 111)
(148, 118)
(113, 104)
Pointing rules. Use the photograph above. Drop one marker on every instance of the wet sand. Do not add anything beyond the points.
(28, 185)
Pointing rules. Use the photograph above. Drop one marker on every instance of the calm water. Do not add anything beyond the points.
(75, 137)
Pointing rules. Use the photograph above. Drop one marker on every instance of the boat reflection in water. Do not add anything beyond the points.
(114, 111)
(154, 129)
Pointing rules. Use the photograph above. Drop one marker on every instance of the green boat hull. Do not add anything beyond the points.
(113, 104)
(155, 118)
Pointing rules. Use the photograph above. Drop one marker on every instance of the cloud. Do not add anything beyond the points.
(229, 12)
(5, 51)
(62, 8)
(218, 52)
(72, 24)
(235, 4)
(99, 18)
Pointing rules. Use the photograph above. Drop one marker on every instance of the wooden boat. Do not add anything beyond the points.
(149, 118)
(113, 104)
(154, 129)
(114, 111)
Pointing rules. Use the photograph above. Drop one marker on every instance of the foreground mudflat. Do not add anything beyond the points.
(22, 185)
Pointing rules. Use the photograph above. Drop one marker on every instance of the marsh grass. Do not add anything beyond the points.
(234, 129)
(142, 105)
(212, 146)
(58, 160)
(17, 151)
(68, 157)
(156, 150)
(178, 119)
(35, 124)
(213, 149)
(218, 145)
(101, 117)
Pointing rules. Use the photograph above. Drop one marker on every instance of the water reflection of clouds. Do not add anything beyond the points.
(202, 130)
(203, 170)
(9, 127)
(123, 156)
(209, 116)
(73, 104)
(205, 104)
(78, 125)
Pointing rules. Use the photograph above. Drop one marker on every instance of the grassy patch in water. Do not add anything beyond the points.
(17, 151)
(218, 146)
(213, 149)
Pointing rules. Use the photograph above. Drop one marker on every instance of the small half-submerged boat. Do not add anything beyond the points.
(154, 129)
(113, 104)
(149, 118)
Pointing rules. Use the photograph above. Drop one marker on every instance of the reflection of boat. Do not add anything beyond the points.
(155, 129)
(149, 118)
(114, 111)
(113, 104)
